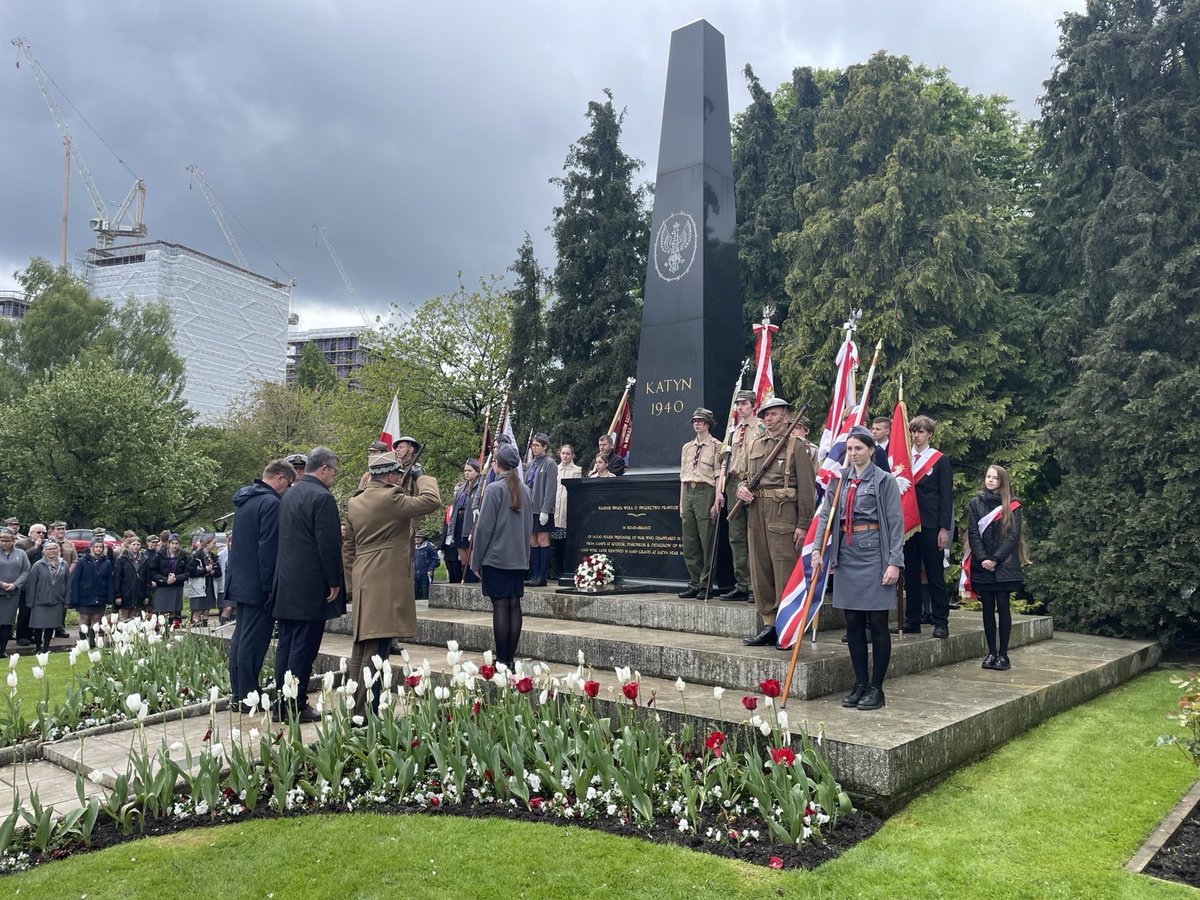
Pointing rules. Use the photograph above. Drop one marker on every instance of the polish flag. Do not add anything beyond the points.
(391, 426)
(899, 451)
(764, 375)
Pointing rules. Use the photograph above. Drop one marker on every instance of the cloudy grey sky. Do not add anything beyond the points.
(422, 136)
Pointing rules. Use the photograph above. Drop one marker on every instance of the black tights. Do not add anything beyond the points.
(995, 602)
(41, 639)
(5, 637)
(506, 622)
(857, 621)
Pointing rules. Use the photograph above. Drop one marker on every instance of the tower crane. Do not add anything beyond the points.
(321, 233)
(106, 227)
(195, 172)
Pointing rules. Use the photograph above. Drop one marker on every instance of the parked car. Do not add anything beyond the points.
(82, 539)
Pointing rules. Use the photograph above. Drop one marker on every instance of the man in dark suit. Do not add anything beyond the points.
(881, 430)
(250, 574)
(925, 549)
(308, 577)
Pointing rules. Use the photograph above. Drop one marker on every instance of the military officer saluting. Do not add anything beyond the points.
(698, 506)
(741, 433)
(780, 509)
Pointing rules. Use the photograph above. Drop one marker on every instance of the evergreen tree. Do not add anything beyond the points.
(527, 360)
(1121, 154)
(899, 220)
(601, 235)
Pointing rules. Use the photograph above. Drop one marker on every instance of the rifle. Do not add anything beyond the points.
(758, 476)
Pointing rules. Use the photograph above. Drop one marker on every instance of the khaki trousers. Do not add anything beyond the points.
(773, 554)
(697, 532)
(738, 546)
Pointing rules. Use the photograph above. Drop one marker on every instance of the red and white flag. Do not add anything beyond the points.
(764, 374)
(899, 451)
(391, 425)
(832, 449)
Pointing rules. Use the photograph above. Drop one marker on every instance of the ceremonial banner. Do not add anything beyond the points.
(899, 453)
(621, 427)
(391, 425)
(965, 588)
(832, 448)
(764, 374)
(798, 607)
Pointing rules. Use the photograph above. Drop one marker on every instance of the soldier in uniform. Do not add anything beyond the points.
(780, 509)
(741, 434)
(698, 505)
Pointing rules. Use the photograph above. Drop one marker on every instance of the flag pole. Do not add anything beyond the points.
(835, 502)
(612, 426)
(900, 598)
(866, 394)
(719, 499)
(487, 417)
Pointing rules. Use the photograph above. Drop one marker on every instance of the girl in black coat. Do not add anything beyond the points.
(997, 552)
(130, 578)
(203, 571)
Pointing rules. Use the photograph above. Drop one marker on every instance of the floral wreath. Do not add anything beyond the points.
(596, 571)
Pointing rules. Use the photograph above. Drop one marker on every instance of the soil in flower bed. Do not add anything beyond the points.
(851, 829)
(1179, 859)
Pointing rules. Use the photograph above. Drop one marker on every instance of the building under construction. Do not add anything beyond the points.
(231, 324)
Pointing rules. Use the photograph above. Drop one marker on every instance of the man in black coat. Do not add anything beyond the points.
(926, 549)
(250, 574)
(308, 575)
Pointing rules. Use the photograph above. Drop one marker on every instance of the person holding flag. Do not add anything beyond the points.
(779, 509)
(866, 550)
(991, 567)
(742, 432)
(924, 550)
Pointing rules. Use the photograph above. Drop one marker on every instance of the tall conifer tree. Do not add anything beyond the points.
(527, 360)
(601, 235)
(1120, 271)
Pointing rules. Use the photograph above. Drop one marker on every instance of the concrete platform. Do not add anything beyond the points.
(722, 618)
(934, 721)
(702, 658)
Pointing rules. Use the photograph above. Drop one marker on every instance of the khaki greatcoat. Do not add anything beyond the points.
(377, 557)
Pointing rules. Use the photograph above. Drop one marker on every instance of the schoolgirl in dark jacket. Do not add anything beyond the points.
(997, 550)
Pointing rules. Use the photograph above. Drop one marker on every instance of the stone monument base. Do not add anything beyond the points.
(633, 519)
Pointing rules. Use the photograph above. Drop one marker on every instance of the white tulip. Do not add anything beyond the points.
(377, 661)
(343, 665)
(387, 678)
(13, 660)
(327, 681)
(679, 685)
(622, 674)
(404, 656)
(217, 751)
(368, 675)
(99, 643)
(579, 657)
(487, 657)
(765, 728)
(783, 721)
(717, 692)
(452, 646)
(357, 720)
(213, 693)
(254, 735)
(251, 701)
(38, 673)
(453, 657)
(72, 657)
(143, 711)
(95, 655)
(43, 658)
(132, 702)
(350, 687)
(235, 734)
(265, 701)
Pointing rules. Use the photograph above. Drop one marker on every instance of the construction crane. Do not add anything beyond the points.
(106, 227)
(195, 172)
(320, 229)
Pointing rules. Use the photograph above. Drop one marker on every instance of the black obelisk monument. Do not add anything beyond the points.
(692, 340)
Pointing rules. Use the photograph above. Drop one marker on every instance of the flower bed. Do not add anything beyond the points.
(167, 668)
(484, 741)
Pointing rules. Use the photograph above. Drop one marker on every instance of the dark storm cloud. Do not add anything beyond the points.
(422, 137)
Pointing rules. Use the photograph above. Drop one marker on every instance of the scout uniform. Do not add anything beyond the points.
(741, 434)
(783, 502)
(698, 462)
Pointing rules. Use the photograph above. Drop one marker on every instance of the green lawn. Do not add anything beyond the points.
(29, 689)
(1054, 813)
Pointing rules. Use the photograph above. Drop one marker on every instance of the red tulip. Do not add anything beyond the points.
(591, 688)
(770, 687)
(783, 756)
(751, 703)
(775, 862)
(486, 672)
(412, 680)
(714, 742)
(525, 685)
(630, 690)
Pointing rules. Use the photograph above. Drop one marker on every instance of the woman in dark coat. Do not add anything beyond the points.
(463, 511)
(500, 550)
(92, 587)
(130, 587)
(866, 546)
(46, 594)
(168, 571)
(993, 562)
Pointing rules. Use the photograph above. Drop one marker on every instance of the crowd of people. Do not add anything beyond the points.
(42, 575)
(290, 560)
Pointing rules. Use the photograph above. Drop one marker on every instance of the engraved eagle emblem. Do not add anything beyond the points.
(675, 246)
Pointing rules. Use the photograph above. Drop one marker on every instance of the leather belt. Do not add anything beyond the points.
(867, 526)
(777, 493)
(693, 485)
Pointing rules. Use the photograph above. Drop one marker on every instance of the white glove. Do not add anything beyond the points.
(544, 518)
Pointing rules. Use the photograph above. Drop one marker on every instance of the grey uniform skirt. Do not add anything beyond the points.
(168, 598)
(858, 577)
(8, 607)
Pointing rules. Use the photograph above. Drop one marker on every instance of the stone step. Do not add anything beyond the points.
(822, 668)
(723, 618)
(934, 721)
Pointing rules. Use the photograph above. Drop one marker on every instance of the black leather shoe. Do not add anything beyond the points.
(763, 638)
(851, 699)
(872, 699)
(734, 594)
(912, 629)
(689, 594)
(845, 637)
(989, 661)
(1002, 664)
(537, 582)
(941, 631)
